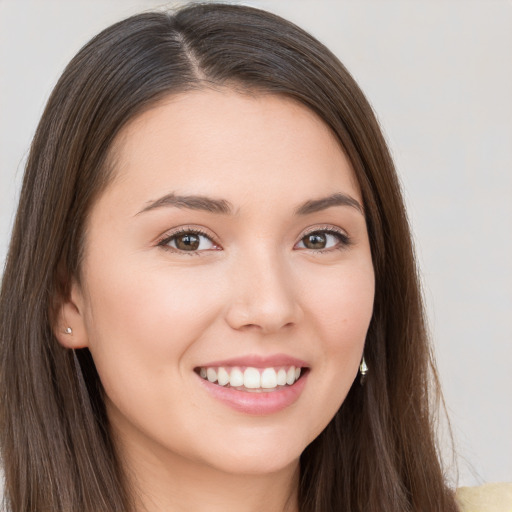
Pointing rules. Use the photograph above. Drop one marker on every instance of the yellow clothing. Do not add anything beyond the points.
(486, 498)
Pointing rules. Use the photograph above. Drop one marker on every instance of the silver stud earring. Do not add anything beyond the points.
(68, 330)
(363, 370)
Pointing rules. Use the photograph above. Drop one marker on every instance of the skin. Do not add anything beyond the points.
(151, 314)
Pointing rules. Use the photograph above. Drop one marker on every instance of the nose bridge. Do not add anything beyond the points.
(264, 294)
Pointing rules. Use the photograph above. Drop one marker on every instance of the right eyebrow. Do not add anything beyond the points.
(338, 199)
(203, 203)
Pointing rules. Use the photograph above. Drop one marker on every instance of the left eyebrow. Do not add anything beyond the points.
(339, 199)
(203, 203)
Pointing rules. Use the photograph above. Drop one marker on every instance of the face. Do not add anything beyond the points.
(229, 254)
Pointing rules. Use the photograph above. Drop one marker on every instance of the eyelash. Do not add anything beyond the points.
(343, 240)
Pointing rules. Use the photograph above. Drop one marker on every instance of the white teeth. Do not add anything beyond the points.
(290, 375)
(222, 377)
(268, 378)
(236, 379)
(251, 378)
(211, 374)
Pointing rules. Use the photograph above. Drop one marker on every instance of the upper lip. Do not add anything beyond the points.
(258, 361)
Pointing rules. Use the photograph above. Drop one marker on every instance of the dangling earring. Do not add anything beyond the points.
(363, 370)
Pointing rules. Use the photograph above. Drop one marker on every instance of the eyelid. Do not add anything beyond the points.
(323, 228)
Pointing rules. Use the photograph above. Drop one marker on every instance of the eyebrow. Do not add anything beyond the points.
(203, 203)
(224, 207)
(338, 199)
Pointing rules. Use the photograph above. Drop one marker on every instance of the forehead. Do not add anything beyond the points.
(235, 144)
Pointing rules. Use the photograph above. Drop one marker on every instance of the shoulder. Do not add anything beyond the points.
(495, 497)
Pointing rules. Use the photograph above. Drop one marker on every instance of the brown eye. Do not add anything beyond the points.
(188, 241)
(323, 240)
(315, 241)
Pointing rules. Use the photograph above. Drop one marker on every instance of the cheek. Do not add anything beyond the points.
(141, 323)
(341, 304)
(341, 308)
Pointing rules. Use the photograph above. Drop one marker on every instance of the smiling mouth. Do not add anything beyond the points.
(251, 379)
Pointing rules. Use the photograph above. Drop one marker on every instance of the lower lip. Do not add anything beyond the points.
(257, 403)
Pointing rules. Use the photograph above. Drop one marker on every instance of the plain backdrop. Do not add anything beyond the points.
(439, 75)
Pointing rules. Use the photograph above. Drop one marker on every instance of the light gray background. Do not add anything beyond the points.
(439, 75)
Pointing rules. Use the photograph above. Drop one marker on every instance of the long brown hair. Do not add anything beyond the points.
(378, 452)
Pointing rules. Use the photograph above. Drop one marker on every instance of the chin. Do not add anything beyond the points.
(261, 464)
(265, 454)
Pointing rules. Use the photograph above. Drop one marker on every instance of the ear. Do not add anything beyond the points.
(69, 323)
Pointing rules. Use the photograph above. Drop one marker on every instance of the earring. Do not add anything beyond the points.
(363, 370)
(68, 330)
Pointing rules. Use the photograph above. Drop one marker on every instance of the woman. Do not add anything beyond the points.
(210, 246)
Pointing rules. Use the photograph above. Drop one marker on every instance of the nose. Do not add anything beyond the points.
(264, 295)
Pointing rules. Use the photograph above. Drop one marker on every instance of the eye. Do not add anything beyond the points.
(188, 240)
(323, 240)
